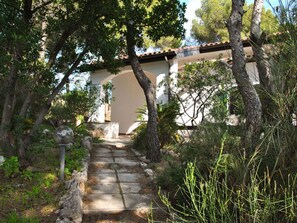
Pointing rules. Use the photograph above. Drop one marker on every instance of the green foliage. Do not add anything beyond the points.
(40, 40)
(167, 127)
(219, 109)
(279, 131)
(11, 166)
(139, 138)
(212, 198)
(73, 158)
(143, 16)
(212, 26)
(203, 74)
(200, 87)
(35, 193)
(165, 43)
(38, 148)
(78, 102)
(171, 177)
(27, 175)
(13, 217)
(205, 143)
(49, 179)
(222, 184)
(81, 131)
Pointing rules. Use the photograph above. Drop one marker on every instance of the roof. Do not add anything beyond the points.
(171, 53)
(203, 48)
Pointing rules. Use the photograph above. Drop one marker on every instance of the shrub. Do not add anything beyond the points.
(73, 158)
(11, 166)
(211, 199)
(167, 126)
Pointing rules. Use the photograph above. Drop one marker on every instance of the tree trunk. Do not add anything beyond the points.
(8, 107)
(249, 95)
(153, 144)
(24, 143)
(11, 81)
(261, 60)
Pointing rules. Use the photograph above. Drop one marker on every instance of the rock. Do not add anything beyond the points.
(46, 132)
(143, 165)
(2, 159)
(135, 152)
(71, 203)
(143, 159)
(64, 135)
(65, 220)
(87, 143)
(233, 120)
(149, 172)
(72, 207)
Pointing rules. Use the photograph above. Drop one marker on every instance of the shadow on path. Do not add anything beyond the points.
(117, 189)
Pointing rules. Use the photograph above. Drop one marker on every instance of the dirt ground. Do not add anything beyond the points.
(28, 199)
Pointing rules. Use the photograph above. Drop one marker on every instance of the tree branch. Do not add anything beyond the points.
(41, 6)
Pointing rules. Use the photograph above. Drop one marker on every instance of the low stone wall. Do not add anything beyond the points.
(109, 130)
(71, 203)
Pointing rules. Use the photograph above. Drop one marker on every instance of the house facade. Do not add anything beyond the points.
(127, 96)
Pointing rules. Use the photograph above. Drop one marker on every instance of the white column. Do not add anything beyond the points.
(162, 90)
(162, 96)
(99, 114)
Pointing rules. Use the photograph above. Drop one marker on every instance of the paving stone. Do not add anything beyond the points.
(128, 164)
(129, 177)
(102, 150)
(99, 154)
(120, 153)
(125, 159)
(138, 201)
(104, 177)
(105, 188)
(130, 187)
(103, 202)
(105, 159)
(120, 145)
(98, 171)
(118, 173)
(127, 169)
(136, 152)
(105, 165)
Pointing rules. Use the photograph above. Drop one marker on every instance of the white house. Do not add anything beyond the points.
(127, 94)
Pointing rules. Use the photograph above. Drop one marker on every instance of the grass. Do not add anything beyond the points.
(33, 194)
(220, 194)
(30, 197)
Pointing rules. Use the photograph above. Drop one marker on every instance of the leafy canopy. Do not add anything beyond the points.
(151, 20)
(210, 24)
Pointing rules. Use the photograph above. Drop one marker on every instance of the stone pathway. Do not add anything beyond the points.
(117, 188)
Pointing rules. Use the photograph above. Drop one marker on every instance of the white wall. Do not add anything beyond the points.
(128, 97)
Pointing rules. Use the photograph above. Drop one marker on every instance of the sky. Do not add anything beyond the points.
(192, 5)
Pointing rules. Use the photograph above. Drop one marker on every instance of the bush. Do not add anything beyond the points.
(78, 102)
(212, 199)
(73, 158)
(11, 166)
(170, 178)
(167, 126)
